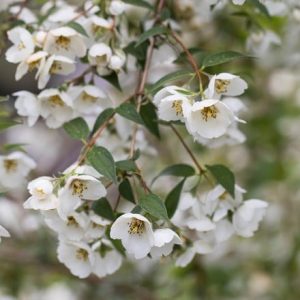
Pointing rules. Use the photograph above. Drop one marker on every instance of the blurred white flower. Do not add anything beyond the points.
(99, 55)
(247, 217)
(116, 7)
(135, 232)
(23, 45)
(14, 168)
(3, 232)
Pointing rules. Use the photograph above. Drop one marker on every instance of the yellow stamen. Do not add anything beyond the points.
(72, 222)
(221, 86)
(10, 165)
(82, 254)
(177, 105)
(136, 226)
(88, 98)
(56, 101)
(63, 42)
(78, 187)
(209, 112)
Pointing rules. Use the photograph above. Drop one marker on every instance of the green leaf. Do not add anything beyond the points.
(102, 208)
(136, 210)
(153, 205)
(113, 79)
(221, 58)
(223, 176)
(178, 170)
(125, 190)
(77, 129)
(102, 118)
(126, 165)
(173, 197)
(139, 52)
(149, 116)
(101, 159)
(149, 33)
(6, 123)
(140, 3)
(13, 147)
(128, 111)
(262, 8)
(174, 76)
(76, 26)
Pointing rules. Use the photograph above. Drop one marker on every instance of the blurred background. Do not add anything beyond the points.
(264, 267)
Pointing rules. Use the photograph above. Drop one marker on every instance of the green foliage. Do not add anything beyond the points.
(128, 111)
(221, 58)
(150, 119)
(113, 80)
(126, 165)
(76, 26)
(102, 208)
(174, 76)
(223, 176)
(125, 190)
(154, 206)
(102, 118)
(173, 197)
(140, 3)
(77, 129)
(157, 30)
(101, 159)
(7, 123)
(178, 170)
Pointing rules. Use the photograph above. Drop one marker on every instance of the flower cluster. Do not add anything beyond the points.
(211, 120)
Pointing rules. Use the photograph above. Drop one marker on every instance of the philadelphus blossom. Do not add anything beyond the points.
(135, 232)
(42, 197)
(14, 169)
(3, 232)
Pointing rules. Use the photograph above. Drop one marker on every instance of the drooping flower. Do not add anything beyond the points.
(78, 257)
(23, 45)
(209, 119)
(99, 55)
(76, 189)
(248, 216)
(56, 107)
(65, 41)
(97, 226)
(225, 84)
(135, 232)
(164, 241)
(27, 105)
(14, 168)
(42, 197)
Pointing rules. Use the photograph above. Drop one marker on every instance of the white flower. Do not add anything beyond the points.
(97, 227)
(209, 119)
(88, 99)
(172, 103)
(27, 105)
(65, 41)
(238, 2)
(97, 27)
(107, 259)
(164, 241)
(186, 257)
(225, 84)
(3, 232)
(224, 230)
(76, 256)
(55, 64)
(73, 227)
(260, 42)
(99, 55)
(23, 45)
(247, 217)
(218, 202)
(14, 168)
(42, 197)
(56, 107)
(76, 189)
(30, 63)
(117, 60)
(116, 7)
(135, 232)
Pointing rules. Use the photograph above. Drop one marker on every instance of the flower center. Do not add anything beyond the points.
(78, 187)
(56, 67)
(33, 64)
(88, 98)
(136, 226)
(221, 86)
(72, 222)
(96, 226)
(40, 193)
(56, 101)
(82, 254)
(209, 112)
(101, 59)
(10, 165)
(63, 42)
(21, 46)
(177, 105)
